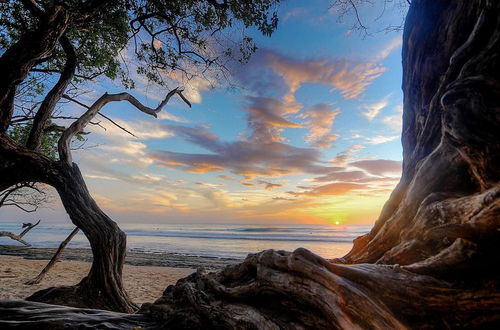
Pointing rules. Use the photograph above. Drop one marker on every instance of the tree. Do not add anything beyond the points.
(431, 261)
(52, 47)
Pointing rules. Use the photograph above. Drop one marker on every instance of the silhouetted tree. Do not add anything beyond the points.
(49, 47)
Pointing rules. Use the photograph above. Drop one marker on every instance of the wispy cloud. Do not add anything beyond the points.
(379, 139)
(373, 109)
(389, 48)
(350, 78)
(340, 188)
(320, 119)
(379, 166)
(267, 117)
(345, 156)
(395, 121)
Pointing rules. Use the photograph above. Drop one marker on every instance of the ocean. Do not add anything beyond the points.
(210, 240)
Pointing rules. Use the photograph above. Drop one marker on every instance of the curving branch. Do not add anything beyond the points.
(79, 124)
(52, 98)
(67, 97)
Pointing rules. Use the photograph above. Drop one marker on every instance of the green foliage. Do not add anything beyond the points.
(20, 133)
(166, 37)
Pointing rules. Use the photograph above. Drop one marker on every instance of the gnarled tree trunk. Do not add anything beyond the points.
(102, 287)
(431, 260)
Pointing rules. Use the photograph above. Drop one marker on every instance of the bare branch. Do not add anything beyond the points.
(19, 237)
(104, 116)
(81, 123)
(28, 226)
(14, 237)
(54, 259)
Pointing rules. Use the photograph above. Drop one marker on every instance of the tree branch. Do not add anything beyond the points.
(19, 237)
(81, 123)
(102, 115)
(54, 259)
(55, 94)
(28, 228)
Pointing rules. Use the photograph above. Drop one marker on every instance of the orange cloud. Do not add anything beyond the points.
(320, 119)
(349, 77)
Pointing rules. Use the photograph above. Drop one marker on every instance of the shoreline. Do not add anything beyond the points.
(133, 258)
(142, 283)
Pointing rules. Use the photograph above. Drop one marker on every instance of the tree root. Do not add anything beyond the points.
(284, 290)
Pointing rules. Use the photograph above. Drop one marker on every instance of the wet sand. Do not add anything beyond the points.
(146, 275)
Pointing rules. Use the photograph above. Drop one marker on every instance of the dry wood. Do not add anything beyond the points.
(431, 260)
(19, 237)
(53, 260)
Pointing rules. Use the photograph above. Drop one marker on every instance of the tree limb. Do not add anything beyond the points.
(14, 237)
(102, 115)
(55, 94)
(79, 124)
(54, 259)
(19, 237)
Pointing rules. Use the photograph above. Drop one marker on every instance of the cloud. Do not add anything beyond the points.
(372, 110)
(379, 139)
(246, 158)
(342, 176)
(270, 185)
(266, 117)
(350, 78)
(163, 115)
(320, 119)
(389, 48)
(395, 121)
(331, 189)
(344, 157)
(293, 13)
(379, 166)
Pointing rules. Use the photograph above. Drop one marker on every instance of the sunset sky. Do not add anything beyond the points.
(311, 135)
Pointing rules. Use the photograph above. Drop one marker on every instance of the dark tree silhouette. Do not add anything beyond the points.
(431, 261)
(68, 43)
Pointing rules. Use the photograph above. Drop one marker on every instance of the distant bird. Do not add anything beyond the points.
(27, 224)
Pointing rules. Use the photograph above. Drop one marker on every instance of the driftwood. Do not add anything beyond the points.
(19, 238)
(54, 259)
(431, 260)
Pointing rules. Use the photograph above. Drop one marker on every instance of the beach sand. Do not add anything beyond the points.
(143, 283)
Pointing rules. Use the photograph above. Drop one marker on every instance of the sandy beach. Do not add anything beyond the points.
(143, 283)
(146, 275)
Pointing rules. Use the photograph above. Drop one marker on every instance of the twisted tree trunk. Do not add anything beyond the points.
(431, 260)
(102, 287)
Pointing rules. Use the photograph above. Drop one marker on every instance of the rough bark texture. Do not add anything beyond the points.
(431, 260)
(103, 287)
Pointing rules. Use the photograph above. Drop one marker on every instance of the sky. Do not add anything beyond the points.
(310, 135)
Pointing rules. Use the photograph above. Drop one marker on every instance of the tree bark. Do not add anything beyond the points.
(102, 287)
(24, 54)
(431, 260)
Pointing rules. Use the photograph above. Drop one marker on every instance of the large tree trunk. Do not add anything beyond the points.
(431, 260)
(103, 287)
(18, 60)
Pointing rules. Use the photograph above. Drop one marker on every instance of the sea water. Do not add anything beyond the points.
(210, 240)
